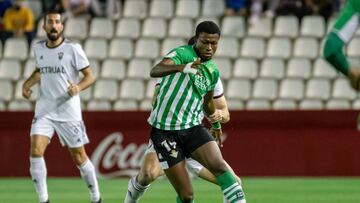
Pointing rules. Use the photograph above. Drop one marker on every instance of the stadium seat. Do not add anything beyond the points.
(262, 28)
(306, 47)
(96, 48)
(36, 8)
(355, 104)
(258, 104)
(18, 91)
(284, 104)
(225, 67)
(128, 105)
(40, 32)
(128, 27)
(113, 69)
(311, 104)
(318, 89)
(139, 68)
(86, 95)
(228, 47)
(312, 26)
(102, 28)
(272, 68)
(212, 8)
(188, 8)
(181, 27)
(135, 9)
(324, 70)
(170, 43)
(162, 8)
(76, 28)
(98, 105)
(238, 89)
(19, 105)
(338, 104)
(132, 89)
(95, 67)
(122, 48)
(265, 89)
(154, 27)
(106, 89)
(147, 48)
(16, 48)
(2, 106)
(253, 48)
(207, 18)
(6, 90)
(342, 90)
(235, 104)
(299, 68)
(145, 105)
(353, 49)
(233, 26)
(279, 48)
(10, 69)
(245, 68)
(150, 88)
(292, 89)
(286, 26)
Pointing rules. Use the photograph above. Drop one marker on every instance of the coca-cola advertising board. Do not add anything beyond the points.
(258, 143)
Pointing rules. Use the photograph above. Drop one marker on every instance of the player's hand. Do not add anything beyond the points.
(354, 78)
(192, 67)
(73, 89)
(215, 117)
(217, 133)
(26, 92)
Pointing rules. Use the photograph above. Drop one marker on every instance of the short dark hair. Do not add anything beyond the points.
(208, 27)
(192, 40)
(52, 12)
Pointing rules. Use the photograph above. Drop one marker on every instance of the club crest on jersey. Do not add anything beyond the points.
(60, 55)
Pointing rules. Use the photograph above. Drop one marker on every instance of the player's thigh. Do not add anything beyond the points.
(180, 179)
(150, 169)
(40, 135)
(347, 23)
(71, 133)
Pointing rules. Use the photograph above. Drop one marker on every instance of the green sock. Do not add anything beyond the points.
(178, 200)
(230, 187)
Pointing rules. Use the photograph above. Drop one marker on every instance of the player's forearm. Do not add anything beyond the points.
(225, 116)
(161, 70)
(333, 53)
(86, 82)
(33, 79)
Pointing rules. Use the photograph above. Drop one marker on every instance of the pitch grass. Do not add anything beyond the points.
(258, 190)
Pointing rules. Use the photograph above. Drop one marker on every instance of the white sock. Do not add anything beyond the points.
(38, 173)
(135, 191)
(87, 172)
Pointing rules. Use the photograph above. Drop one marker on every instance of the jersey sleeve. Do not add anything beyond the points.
(81, 61)
(179, 55)
(219, 89)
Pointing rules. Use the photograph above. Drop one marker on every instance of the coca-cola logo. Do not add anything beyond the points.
(112, 159)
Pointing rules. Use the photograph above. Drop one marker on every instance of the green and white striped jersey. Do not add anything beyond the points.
(179, 102)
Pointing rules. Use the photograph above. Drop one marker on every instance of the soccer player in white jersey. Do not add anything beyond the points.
(58, 64)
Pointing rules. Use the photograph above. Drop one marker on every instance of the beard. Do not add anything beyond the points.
(52, 36)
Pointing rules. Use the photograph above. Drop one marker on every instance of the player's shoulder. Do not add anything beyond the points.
(72, 43)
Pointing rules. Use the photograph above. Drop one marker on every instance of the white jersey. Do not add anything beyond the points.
(58, 66)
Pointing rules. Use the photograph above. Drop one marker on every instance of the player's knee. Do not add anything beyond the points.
(36, 152)
(78, 158)
(148, 176)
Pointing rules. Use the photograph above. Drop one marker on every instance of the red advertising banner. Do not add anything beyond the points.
(258, 143)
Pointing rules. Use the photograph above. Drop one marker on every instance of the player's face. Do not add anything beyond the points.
(53, 26)
(206, 45)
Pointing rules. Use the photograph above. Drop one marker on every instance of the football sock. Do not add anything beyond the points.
(135, 191)
(38, 173)
(87, 172)
(231, 189)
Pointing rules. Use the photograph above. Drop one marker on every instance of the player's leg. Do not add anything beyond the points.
(73, 135)
(209, 155)
(41, 133)
(150, 170)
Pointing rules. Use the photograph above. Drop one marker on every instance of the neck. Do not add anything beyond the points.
(55, 43)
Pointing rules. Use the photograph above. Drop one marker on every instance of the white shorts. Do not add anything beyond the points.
(192, 166)
(71, 134)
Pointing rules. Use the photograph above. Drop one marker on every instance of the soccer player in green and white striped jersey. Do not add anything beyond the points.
(186, 90)
(342, 32)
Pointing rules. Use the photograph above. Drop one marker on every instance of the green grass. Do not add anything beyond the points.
(258, 190)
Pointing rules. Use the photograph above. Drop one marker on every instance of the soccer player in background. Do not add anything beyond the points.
(150, 169)
(186, 90)
(58, 64)
(341, 33)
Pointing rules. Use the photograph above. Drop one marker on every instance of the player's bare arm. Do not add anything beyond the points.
(221, 114)
(85, 82)
(167, 67)
(31, 81)
(209, 109)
